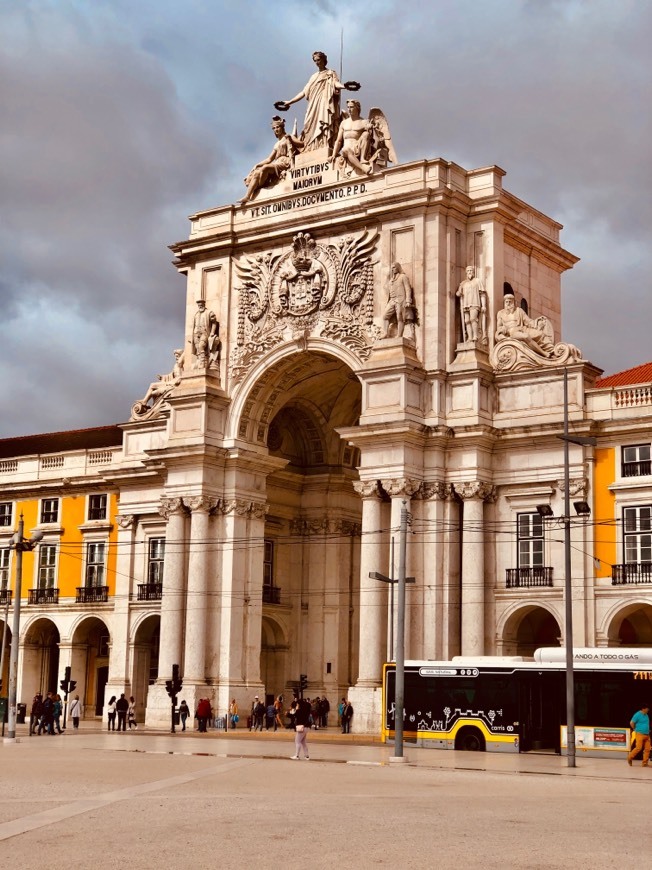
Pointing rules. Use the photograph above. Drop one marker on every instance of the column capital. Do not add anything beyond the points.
(305, 526)
(243, 507)
(476, 489)
(367, 488)
(170, 506)
(397, 487)
(201, 503)
(435, 490)
(125, 521)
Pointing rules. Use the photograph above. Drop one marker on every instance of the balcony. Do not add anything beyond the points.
(631, 573)
(271, 595)
(150, 591)
(637, 469)
(49, 595)
(5, 597)
(92, 594)
(526, 578)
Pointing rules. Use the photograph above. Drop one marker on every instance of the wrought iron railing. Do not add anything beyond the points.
(525, 578)
(631, 573)
(150, 591)
(271, 595)
(92, 594)
(637, 469)
(50, 595)
(5, 597)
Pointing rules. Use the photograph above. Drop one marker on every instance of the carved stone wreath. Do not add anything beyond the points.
(313, 289)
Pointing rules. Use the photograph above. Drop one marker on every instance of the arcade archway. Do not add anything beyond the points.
(632, 626)
(529, 628)
(89, 663)
(40, 658)
(145, 660)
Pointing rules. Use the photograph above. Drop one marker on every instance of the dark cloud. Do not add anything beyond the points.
(120, 119)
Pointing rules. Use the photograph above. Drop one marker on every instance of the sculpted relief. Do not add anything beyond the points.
(523, 343)
(317, 289)
(330, 139)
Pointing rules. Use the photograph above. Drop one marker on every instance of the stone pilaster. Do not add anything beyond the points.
(474, 495)
(173, 600)
(197, 604)
(373, 594)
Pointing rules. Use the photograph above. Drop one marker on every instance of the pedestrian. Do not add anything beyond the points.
(270, 715)
(233, 713)
(203, 714)
(347, 715)
(640, 725)
(278, 712)
(122, 707)
(340, 710)
(325, 710)
(56, 713)
(36, 712)
(184, 712)
(131, 713)
(111, 711)
(315, 709)
(75, 712)
(257, 714)
(301, 725)
(47, 716)
(292, 712)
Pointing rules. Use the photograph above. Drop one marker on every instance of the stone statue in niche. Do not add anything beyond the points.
(159, 390)
(513, 322)
(400, 310)
(363, 144)
(473, 307)
(322, 93)
(523, 343)
(206, 343)
(274, 167)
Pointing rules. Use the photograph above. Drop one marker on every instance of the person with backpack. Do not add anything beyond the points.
(233, 713)
(47, 716)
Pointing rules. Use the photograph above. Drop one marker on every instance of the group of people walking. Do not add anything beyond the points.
(125, 712)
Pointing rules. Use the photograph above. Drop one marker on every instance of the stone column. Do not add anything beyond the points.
(373, 593)
(253, 609)
(433, 495)
(401, 489)
(474, 495)
(197, 605)
(119, 651)
(173, 600)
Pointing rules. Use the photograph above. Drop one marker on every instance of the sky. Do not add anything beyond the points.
(120, 118)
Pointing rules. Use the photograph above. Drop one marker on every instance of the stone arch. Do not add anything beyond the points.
(40, 644)
(89, 661)
(7, 652)
(526, 627)
(274, 647)
(629, 624)
(144, 644)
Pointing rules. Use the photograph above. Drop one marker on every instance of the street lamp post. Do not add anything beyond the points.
(20, 545)
(582, 509)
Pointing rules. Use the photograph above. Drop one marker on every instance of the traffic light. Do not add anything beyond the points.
(303, 682)
(72, 685)
(173, 686)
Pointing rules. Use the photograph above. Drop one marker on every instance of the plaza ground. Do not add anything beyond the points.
(96, 799)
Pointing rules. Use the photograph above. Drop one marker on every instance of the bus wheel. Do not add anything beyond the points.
(470, 740)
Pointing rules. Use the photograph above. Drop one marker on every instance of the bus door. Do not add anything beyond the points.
(540, 710)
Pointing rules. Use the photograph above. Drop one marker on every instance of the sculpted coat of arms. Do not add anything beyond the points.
(318, 289)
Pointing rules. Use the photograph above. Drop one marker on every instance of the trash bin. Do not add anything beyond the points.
(177, 717)
(4, 710)
(21, 712)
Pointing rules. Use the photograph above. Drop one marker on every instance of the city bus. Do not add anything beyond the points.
(513, 704)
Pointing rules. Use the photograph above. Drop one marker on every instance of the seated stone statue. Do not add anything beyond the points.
(275, 166)
(159, 389)
(513, 322)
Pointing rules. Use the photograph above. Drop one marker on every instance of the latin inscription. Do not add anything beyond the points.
(308, 199)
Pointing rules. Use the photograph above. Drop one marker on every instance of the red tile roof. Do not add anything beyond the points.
(638, 375)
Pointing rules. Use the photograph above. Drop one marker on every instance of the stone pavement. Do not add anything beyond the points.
(98, 799)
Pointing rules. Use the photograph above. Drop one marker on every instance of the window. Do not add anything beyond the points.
(156, 560)
(4, 567)
(50, 510)
(47, 565)
(529, 535)
(5, 513)
(268, 564)
(97, 507)
(636, 460)
(95, 557)
(637, 523)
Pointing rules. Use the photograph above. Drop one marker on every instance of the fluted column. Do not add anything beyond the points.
(432, 495)
(173, 599)
(373, 594)
(401, 489)
(194, 663)
(474, 495)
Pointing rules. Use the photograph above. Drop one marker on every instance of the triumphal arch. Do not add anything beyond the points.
(360, 334)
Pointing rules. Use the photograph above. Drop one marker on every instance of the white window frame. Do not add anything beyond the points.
(268, 563)
(6, 517)
(635, 454)
(530, 545)
(45, 572)
(155, 561)
(42, 511)
(5, 566)
(90, 508)
(95, 564)
(637, 534)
